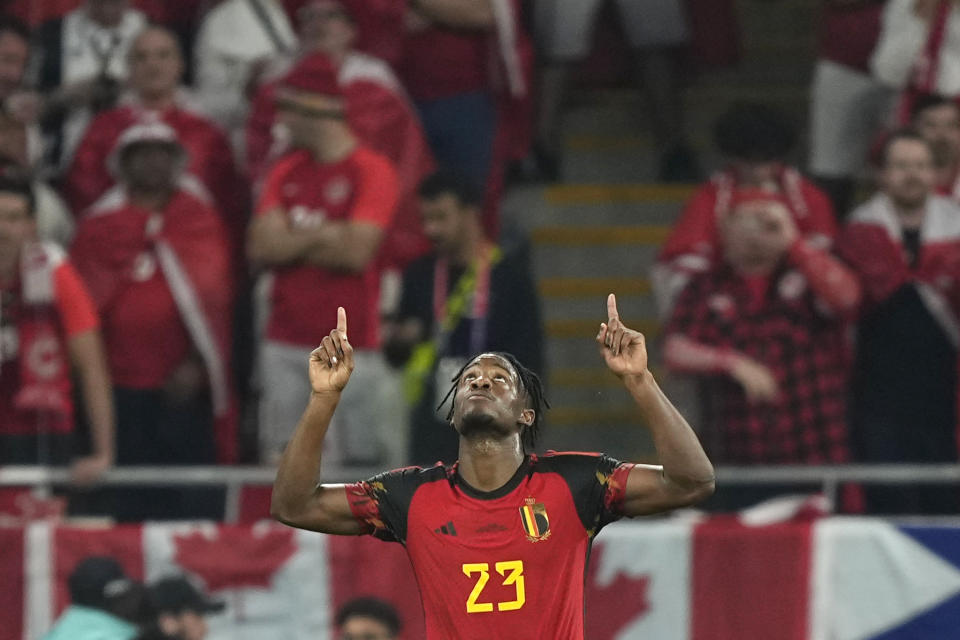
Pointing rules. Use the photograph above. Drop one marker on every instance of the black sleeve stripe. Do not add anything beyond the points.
(394, 492)
(586, 475)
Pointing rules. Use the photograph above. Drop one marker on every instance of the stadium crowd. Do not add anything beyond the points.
(189, 189)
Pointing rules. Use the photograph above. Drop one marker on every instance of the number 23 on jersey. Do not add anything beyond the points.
(512, 572)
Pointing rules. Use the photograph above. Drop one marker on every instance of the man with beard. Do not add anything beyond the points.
(937, 119)
(467, 296)
(499, 540)
(904, 244)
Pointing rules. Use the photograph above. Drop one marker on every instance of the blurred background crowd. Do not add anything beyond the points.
(190, 188)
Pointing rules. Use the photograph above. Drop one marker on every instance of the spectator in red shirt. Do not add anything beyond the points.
(769, 323)
(756, 140)
(321, 217)
(378, 110)
(848, 104)
(48, 328)
(156, 70)
(155, 256)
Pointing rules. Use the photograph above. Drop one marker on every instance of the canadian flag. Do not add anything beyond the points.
(273, 579)
(724, 578)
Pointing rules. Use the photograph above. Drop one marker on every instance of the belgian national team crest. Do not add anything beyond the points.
(533, 517)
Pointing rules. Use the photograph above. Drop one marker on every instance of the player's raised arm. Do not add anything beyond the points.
(686, 475)
(298, 500)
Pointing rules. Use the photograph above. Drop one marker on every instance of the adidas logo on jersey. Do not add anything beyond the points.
(447, 529)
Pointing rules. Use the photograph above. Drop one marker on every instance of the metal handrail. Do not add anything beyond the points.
(829, 477)
(264, 476)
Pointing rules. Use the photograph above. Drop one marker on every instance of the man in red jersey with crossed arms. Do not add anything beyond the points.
(491, 537)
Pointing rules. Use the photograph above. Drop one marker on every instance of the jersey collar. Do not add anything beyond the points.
(510, 485)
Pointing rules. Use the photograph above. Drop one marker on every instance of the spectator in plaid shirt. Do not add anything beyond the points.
(768, 321)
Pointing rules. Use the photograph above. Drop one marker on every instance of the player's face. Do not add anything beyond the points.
(940, 125)
(489, 398)
(155, 63)
(361, 628)
(908, 175)
(16, 226)
(443, 220)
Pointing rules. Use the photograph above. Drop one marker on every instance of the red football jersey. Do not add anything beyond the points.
(505, 564)
(361, 188)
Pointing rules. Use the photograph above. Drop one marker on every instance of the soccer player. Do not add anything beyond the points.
(499, 540)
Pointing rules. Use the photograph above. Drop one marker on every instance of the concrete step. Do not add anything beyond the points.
(592, 288)
(587, 377)
(579, 328)
(600, 236)
(573, 261)
(579, 351)
(633, 309)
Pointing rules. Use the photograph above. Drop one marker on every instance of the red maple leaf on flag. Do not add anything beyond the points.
(236, 557)
(613, 607)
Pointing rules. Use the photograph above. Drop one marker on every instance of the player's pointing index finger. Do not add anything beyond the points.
(342, 321)
(612, 308)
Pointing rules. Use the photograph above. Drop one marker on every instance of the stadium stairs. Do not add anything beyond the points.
(599, 229)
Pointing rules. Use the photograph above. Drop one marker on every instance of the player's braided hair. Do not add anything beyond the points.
(532, 386)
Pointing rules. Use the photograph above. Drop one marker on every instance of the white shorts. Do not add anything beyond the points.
(369, 427)
(848, 109)
(564, 28)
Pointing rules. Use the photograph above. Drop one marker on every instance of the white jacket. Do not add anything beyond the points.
(903, 37)
(231, 40)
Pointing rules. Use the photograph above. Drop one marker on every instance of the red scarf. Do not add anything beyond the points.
(44, 367)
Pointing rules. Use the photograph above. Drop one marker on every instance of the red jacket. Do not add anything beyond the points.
(190, 246)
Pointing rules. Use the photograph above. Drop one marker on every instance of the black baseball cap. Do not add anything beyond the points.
(176, 594)
(97, 581)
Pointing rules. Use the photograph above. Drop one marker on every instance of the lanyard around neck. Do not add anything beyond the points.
(449, 308)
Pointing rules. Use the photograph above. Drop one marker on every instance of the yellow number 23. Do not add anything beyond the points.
(515, 578)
